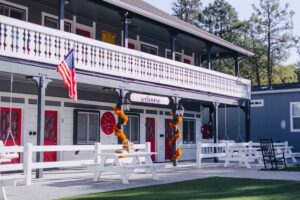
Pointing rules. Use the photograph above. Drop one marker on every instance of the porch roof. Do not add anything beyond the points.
(144, 9)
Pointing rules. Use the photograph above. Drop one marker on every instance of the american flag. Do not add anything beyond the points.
(68, 73)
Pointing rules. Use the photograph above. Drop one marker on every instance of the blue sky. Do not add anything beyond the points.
(244, 9)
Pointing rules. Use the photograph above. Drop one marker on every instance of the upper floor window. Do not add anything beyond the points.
(13, 11)
(51, 21)
(180, 57)
(177, 56)
(295, 117)
(189, 131)
(132, 129)
(87, 127)
(149, 49)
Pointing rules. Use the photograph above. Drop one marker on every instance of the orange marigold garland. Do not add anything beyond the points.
(119, 133)
(175, 123)
(177, 154)
(118, 111)
(175, 137)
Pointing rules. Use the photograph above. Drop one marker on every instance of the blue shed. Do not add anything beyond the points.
(275, 113)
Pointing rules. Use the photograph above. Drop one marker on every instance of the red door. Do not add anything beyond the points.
(168, 136)
(13, 121)
(187, 61)
(150, 133)
(50, 134)
(131, 46)
(83, 32)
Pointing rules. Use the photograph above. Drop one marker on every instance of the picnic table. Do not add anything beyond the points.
(243, 155)
(125, 163)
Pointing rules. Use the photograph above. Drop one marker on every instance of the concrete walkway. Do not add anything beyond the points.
(65, 183)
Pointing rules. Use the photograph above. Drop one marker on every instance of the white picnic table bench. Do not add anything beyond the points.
(245, 153)
(125, 163)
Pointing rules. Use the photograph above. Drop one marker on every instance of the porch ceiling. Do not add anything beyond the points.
(156, 31)
(150, 12)
(97, 83)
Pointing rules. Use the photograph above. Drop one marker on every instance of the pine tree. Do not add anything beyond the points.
(187, 10)
(221, 19)
(274, 23)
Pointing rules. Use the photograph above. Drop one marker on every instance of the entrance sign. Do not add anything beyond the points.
(144, 98)
(107, 123)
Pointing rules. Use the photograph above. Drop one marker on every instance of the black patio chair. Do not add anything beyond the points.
(271, 159)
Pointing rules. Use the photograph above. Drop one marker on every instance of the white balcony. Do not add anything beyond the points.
(23, 40)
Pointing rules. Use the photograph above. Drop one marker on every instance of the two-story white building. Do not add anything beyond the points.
(120, 45)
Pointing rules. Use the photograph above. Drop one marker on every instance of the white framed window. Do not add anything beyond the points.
(295, 116)
(180, 57)
(257, 103)
(13, 10)
(132, 128)
(189, 136)
(142, 46)
(87, 127)
(51, 21)
(149, 48)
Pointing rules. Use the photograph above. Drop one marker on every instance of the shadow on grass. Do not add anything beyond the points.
(209, 188)
(292, 168)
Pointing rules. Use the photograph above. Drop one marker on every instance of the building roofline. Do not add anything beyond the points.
(276, 91)
(188, 28)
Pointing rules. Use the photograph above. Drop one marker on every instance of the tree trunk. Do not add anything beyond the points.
(257, 74)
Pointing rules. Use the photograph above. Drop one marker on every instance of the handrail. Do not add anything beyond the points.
(33, 42)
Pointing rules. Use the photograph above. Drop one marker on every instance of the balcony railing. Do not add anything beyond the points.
(23, 40)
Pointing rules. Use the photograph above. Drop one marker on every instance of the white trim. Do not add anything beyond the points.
(45, 14)
(150, 45)
(90, 29)
(276, 91)
(17, 6)
(257, 103)
(134, 42)
(122, 38)
(138, 43)
(182, 55)
(176, 52)
(292, 117)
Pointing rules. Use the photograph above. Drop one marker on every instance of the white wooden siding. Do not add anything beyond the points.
(65, 127)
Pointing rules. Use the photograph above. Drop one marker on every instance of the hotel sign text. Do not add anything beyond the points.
(144, 98)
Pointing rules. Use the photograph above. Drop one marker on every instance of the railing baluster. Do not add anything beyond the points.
(40, 43)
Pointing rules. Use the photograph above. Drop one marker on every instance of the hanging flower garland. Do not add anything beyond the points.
(118, 111)
(127, 145)
(175, 123)
(119, 133)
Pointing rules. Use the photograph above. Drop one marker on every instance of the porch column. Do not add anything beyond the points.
(126, 21)
(237, 66)
(216, 121)
(208, 49)
(61, 15)
(247, 110)
(173, 38)
(121, 101)
(174, 110)
(216, 125)
(42, 82)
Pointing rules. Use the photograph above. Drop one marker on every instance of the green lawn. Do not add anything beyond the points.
(292, 168)
(209, 188)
